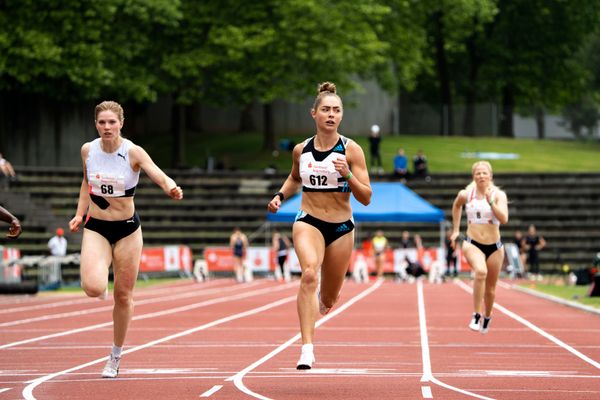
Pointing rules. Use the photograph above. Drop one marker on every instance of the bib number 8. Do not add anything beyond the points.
(318, 180)
(106, 189)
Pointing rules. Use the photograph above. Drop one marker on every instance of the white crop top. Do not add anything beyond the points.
(479, 211)
(110, 174)
(317, 170)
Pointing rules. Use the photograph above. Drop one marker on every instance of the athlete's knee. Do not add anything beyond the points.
(123, 298)
(93, 289)
(480, 273)
(309, 278)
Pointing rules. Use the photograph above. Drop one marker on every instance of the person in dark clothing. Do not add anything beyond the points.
(420, 168)
(374, 142)
(281, 245)
(533, 243)
(451, 256)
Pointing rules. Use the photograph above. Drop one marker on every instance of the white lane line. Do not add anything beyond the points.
(238, 379)
(211, 391)
(536, 329)
(427, 373)
(28, 390)
(504, 285)
(426, 392)
(155, 314)
(73, 301)
(187, 294)
(2, 390)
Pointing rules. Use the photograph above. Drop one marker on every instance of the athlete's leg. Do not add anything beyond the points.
(335, 266)
(494, 265)
(95, 260)
(310, 248)
(476, 260)
(127, 253)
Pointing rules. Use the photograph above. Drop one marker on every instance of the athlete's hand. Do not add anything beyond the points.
(274, 205)
(176, 193)
(453, 237)
(341, 166)
(75, 223)
(14, 230)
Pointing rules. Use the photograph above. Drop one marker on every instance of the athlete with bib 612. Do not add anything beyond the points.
(328, 167)
(112, 234)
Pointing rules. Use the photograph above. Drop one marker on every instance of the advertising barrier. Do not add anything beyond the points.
(166, 259)
(263, 259)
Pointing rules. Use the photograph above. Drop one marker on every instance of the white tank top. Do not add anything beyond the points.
(479, 211)
(317, 170)
(110, 174)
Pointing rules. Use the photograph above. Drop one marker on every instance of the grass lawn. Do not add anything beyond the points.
(573, 293)
(244, 151)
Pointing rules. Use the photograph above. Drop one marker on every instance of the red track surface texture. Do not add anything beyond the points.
(221, 340)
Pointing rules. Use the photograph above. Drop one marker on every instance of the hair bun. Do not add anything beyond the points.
(327, 87)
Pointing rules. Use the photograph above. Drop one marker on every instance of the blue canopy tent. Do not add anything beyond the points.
(390, 202)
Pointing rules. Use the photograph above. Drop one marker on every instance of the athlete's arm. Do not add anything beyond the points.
(291, 184)
(84, 197)
(457, 206)
(141, 160)
(499, 206)
(359, 180)
(14, 230)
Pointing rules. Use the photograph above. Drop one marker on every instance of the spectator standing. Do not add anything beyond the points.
(380, 244)
(57, 245)
(281, 245)
(238, 242)
(374, 147)
(401, 165)
(451, 256)
(533, 243)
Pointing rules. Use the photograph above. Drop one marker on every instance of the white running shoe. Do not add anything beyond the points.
(475, 322)
(111, 369)
(307, 358)
(323, 309)
(485, 325)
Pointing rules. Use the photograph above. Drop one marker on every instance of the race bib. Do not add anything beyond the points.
(107, 185)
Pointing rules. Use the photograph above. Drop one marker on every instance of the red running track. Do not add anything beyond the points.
(222, 340)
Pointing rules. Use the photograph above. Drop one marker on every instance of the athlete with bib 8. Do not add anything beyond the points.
(112, 234)
(328, 167)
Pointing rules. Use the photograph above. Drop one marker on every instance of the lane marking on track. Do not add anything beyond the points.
(187, 294)
(536, 329)
(2, 390)
(73, 301)
(154, 314)
(211, 391)
(28, 390)
(427, 373)
(504, 285)
(238, 379)
(426, 392)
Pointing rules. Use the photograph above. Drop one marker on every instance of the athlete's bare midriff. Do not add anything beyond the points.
(327, 206)
(121, 208)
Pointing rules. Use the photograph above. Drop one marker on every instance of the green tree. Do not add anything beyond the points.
(235, 53)
(530, 52)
